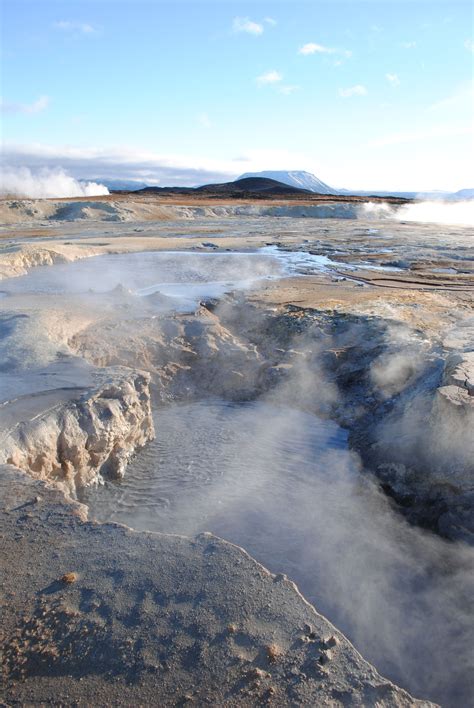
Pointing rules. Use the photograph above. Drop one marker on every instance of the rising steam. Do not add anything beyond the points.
(46, 183)
(459, 213)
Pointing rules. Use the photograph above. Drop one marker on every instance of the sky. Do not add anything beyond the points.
(367, 94)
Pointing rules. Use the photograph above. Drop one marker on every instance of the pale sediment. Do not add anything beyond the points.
(78, 443)
(143, 209)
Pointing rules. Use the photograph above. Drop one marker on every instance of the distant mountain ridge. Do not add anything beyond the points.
(288, 182)
(306, 180)
(295, 178)
(247, 187)
(463, 194)
(255, 184)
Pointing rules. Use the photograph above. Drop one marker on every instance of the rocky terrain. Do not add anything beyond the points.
(379, 338)
(75, 443)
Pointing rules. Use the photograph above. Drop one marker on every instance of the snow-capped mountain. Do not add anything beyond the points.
(463, 194)
(298, 178)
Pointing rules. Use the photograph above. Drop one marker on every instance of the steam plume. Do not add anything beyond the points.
(460, 212)
(46, 183)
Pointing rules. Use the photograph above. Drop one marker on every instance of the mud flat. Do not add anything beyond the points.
(366, 324)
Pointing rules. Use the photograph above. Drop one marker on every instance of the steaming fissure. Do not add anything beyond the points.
(302, 390)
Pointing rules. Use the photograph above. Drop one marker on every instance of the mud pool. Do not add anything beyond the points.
(282, 484)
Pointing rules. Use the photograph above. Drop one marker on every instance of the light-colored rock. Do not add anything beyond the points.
(77, 443)
(452, 424)
(139, 208)
(21, 259)
(459, 371)
(452, 438)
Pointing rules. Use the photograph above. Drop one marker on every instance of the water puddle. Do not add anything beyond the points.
(297, 261)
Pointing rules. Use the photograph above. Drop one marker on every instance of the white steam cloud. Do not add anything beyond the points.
(459, 213)
(46, 183)
(400, 363)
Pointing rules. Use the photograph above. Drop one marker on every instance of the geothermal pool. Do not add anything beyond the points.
(283, 485)
(179, 275)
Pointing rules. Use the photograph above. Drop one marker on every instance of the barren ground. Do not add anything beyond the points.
(160, 618)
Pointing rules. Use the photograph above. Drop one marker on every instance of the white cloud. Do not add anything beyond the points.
(357, 90)
(409, 45)
(244, 24)
(270, 77)
(393, 79)
(270, 21)
(36, 107)
(68, 26)
(204, 120)
(469, 44)
(312, 48)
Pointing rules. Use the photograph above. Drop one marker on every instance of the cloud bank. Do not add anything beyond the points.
(46, 183)
(123, 163)
(165, 169)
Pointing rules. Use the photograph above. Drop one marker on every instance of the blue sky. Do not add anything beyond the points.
(367, 94)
